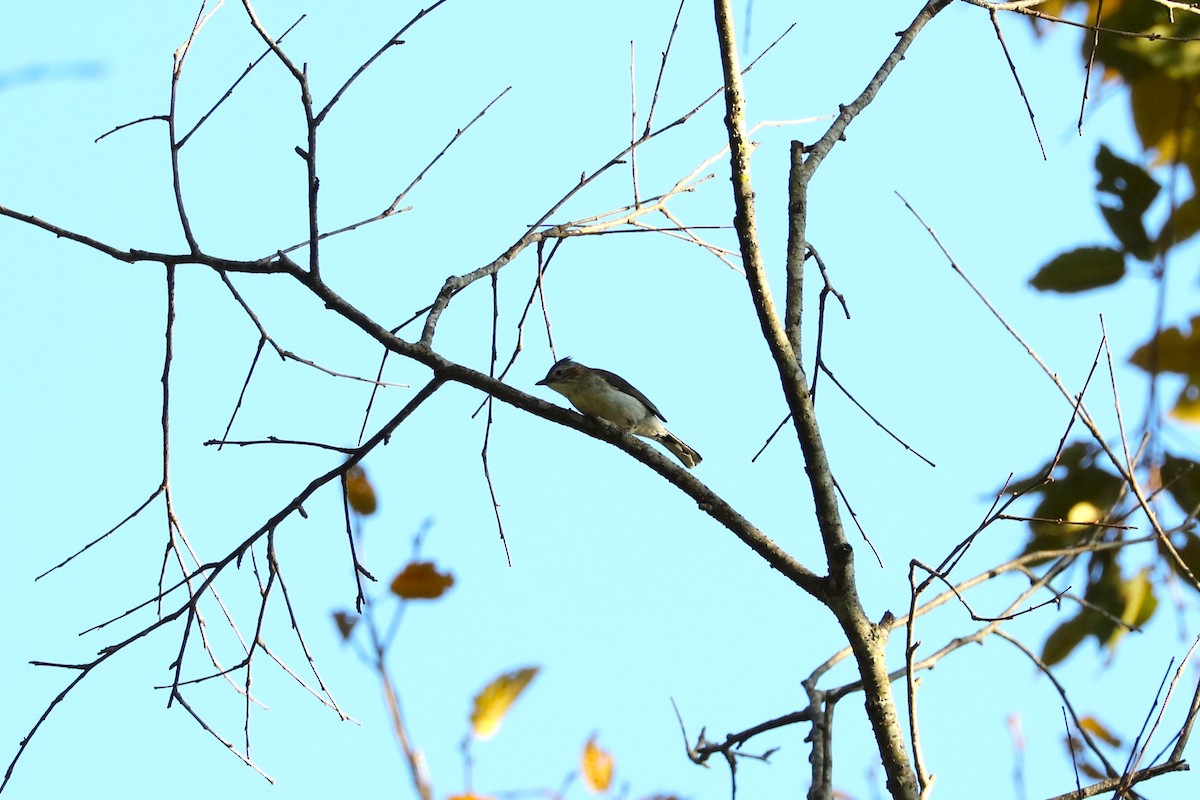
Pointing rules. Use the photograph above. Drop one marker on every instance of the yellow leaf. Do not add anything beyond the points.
(1140, 602)
(1097, 729)
(597, 766)
(1187, 407)
(1172, 350)
(420, 580)
(493, 702)
(1181, 224)
(1083, 515)
(1164, 110)
(360, 492)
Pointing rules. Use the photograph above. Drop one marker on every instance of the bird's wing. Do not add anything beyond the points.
(629, 389)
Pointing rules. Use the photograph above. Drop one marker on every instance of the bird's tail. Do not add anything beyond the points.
(687, 455)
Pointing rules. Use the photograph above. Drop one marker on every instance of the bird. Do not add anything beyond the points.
(606, 395)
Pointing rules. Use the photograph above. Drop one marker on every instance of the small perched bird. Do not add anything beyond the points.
(603, 394)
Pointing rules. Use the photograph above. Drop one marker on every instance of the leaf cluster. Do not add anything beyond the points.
(1137, 48)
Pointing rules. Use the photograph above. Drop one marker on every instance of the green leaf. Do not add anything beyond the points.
(1126, 181)
(1181, 478)
(1105, 594)
(1130, 231)
(1064, 639)
(1133, 190)
(1133, 56)
(1080, 270)
(1189, 552)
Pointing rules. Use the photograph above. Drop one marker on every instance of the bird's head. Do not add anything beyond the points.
(564, 371)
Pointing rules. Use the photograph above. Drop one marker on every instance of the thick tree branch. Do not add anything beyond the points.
(867, 639)
(706, 499)
(260, 267)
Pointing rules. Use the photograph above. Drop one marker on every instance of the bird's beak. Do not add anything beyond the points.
(542, 382)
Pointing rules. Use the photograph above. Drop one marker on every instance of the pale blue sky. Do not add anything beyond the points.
(624, 593)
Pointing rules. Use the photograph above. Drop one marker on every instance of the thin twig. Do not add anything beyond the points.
(1124, 781)
(910, 648)
(1091, 60)
(1012, 67)
(536, 233)
(186, 611)
(487, 431)
(662, 68)
(857, 524)
(243, 757)
(1071, 752)
(1062, 693)
(1137, 749)
(122, 126)
(326, 696)
(157, 491)
(533, 295)
(541, 292)
(392, 41)
(770, 438)
(262, 341)
(276, 440)
(826, 290)
(394, 207)
(229, 92)
(1193, 710)
(633, 135)
(356, 566)
(872, 417)
(165, 421)
(1122, 468)
(1018, 564)
(176, 181)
